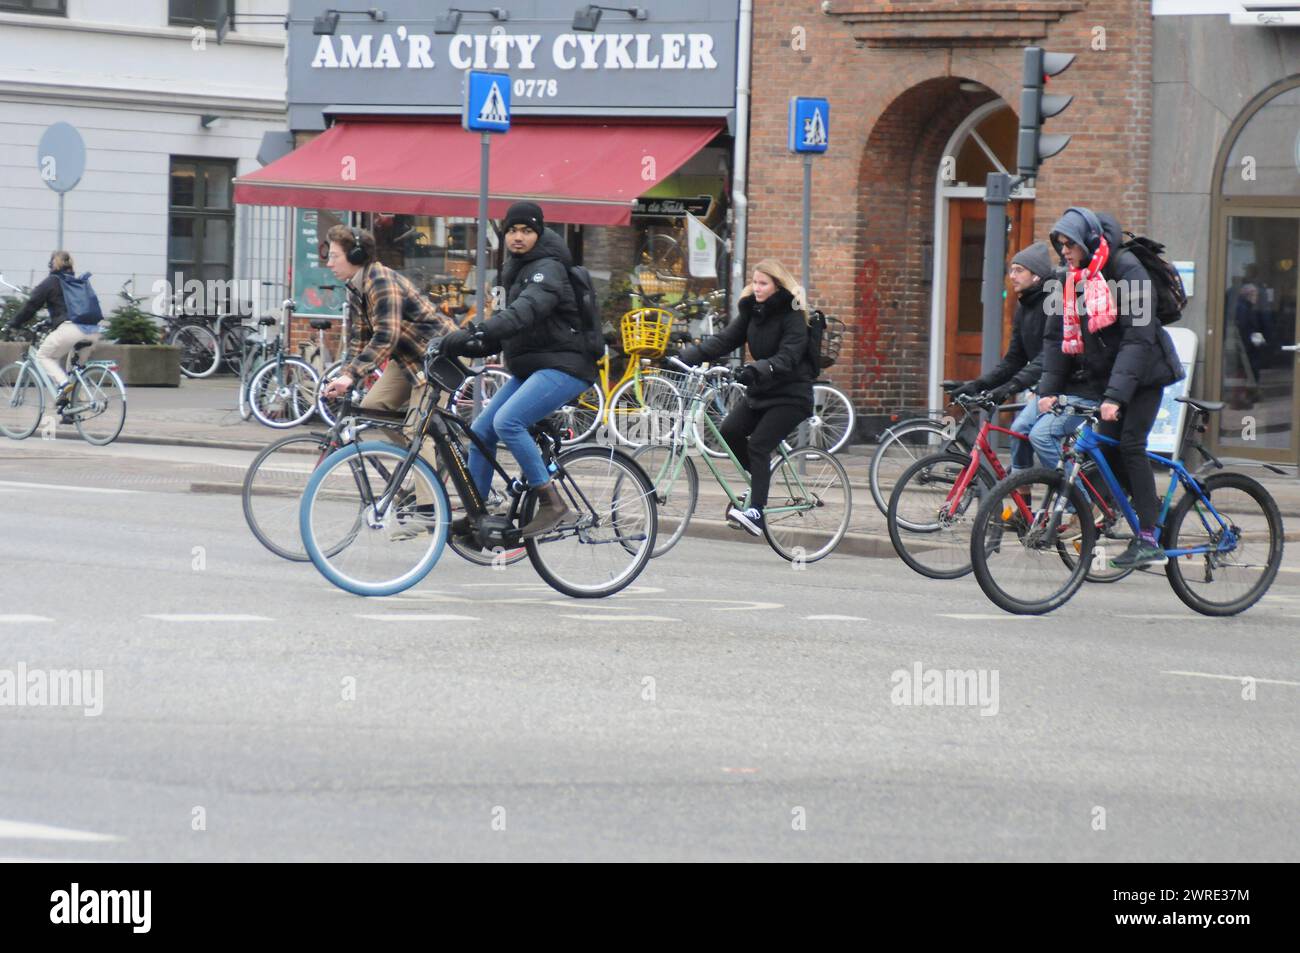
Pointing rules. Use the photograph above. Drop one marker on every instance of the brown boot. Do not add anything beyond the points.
(550, 513)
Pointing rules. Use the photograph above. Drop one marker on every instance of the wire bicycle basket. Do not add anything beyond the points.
(646, 331)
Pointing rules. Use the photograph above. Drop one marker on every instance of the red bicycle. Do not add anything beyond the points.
(934, 503)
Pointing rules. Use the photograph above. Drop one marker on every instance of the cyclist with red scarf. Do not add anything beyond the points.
(1108, 346)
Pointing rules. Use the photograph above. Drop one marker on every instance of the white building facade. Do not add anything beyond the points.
(169, 117)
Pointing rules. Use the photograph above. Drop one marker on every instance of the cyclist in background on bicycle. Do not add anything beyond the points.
(545, 353)
(1022, 365)
(390, 320)
(1114, 352)
(773, 321)
(64, 334)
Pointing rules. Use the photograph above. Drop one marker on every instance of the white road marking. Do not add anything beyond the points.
(61, 487)
(1165, 616)
(1234, 678)
(413, 617)
(203, 617)
(835, 618)
(22, 830)
(25, 618)
(728, 605)
(622, 618)
(978, 616)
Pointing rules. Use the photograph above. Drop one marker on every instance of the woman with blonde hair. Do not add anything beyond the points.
(773, 322)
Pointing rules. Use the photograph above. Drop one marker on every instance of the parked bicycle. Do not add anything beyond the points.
(810, 501)
(279, 390)
(1222, 538)
(97, 405)
(359, 496)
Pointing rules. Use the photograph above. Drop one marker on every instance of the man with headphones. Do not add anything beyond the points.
(391, 321)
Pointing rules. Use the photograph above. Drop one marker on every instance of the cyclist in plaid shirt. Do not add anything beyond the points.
(391, 321)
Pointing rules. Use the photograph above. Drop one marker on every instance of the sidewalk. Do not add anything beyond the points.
(204, 413)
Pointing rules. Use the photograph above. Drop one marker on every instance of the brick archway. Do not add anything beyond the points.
(895, 191)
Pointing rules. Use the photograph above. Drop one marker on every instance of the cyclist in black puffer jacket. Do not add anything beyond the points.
(773, 322)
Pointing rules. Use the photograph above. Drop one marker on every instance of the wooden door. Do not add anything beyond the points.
(964, 320)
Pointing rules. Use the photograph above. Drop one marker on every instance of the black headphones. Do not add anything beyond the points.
(1095, 233)
(356, 254)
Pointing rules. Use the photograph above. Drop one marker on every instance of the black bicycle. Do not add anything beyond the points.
(375, 518)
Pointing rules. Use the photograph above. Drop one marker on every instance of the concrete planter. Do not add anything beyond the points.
(142, 365)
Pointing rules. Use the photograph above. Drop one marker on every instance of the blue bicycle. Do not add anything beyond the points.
(1037, 533)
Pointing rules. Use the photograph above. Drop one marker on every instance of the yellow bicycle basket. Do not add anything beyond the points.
(645, 331)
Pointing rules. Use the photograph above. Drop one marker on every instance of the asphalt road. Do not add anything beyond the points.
(727, 707)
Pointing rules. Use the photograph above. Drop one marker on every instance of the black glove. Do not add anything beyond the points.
(747, 375)
(454, 344)
(479, 346)
(965, 390)
(1002, 392)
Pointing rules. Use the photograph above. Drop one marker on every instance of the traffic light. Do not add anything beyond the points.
(1036, 105)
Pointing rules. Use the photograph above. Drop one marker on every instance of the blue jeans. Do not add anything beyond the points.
(1048, 431)
(1022, 451)
(516, 407)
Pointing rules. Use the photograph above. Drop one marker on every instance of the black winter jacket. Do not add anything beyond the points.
(777, 336)
(538, 325)
(1133, 353)
(1023, 363)
(48, 294)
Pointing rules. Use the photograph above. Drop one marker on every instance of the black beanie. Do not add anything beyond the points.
(525, 213)
(1036, 258)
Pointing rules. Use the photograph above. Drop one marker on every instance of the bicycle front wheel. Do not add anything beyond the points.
(930, 529)
(646, 409)
(272, 493)
(359, 545)
(808, 505)
(900, 447)
(283, 394)
(1016, 550)
(22, 401)
(98, 405)
(609, 538)
(677, 489)
(830, 426)
(200, 350)
(1244, 555)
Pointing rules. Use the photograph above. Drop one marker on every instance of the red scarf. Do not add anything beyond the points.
(1096, 298)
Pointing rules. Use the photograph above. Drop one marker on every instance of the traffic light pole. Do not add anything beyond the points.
(997, 192)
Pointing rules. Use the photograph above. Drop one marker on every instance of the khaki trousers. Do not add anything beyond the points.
(392, 392)
(55, 348)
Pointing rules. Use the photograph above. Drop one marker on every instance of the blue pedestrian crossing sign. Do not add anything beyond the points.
(810, 124)
(487, 102)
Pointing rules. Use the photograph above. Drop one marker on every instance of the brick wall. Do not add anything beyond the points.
(894, 103)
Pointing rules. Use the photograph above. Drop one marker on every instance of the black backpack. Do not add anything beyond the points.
(824, 339)
(589, 314)
(1170, 295)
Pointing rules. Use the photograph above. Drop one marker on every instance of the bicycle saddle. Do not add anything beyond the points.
(1206, 406)
(321, 324)
(266, 322)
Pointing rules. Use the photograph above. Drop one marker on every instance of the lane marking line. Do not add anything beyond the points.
(990, 616)
(622, 618)
(1235, 678)
(835, 618)
(62, 487)
(23, 830)
(25, 618)
(417, 617)
(205, 617)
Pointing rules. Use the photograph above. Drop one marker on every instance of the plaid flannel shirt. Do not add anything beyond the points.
(390, 319)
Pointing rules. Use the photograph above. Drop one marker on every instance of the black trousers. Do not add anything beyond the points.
(752, 435)
(1129, 459)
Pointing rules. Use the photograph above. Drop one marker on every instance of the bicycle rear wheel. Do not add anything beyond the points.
(830, 426)
(357, 546)
(900, 447)
(676, 493)
(98, 405)
(200, 349)
(273, 488)
(611, 535)
(930, 530)
(498, 497)
(1017, 560)
(22, 401)
(1241, 567)
(808, 505)
(284, 395)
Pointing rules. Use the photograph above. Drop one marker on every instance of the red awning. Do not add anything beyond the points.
(586, 173)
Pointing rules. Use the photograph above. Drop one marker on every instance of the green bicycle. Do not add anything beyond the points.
(810, 500)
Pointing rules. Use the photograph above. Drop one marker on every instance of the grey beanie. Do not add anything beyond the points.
(1036, 258)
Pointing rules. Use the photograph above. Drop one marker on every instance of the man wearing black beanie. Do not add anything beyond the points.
(545, 352)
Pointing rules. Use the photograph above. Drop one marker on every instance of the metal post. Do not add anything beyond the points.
(60, 241)
(996, 194)
(806, 275)
(480, 252)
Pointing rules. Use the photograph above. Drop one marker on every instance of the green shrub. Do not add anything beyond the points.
(130, 325)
